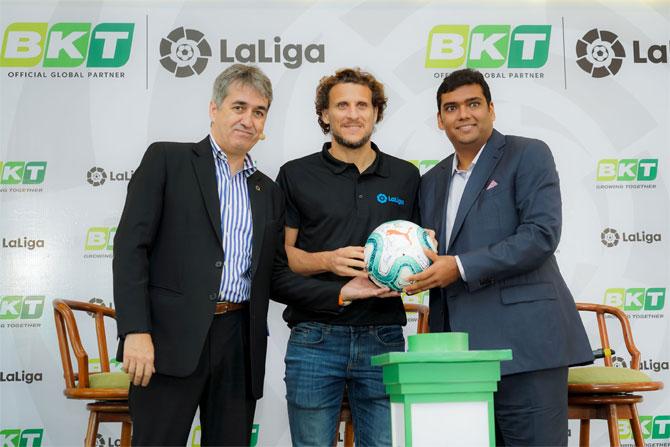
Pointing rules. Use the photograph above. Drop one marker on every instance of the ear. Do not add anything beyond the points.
(492, 111)
(325, 117)
(439, 121)
(376, 114)
(212, 110)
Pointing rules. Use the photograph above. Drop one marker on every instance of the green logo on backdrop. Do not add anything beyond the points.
(15, 437)
(653, 427)
(67, 45)
(255, 429)
(14, 307)
(22, 172)
(488, 46)
(627, 170)
(636, 299)
(424, 165)
(100, 238)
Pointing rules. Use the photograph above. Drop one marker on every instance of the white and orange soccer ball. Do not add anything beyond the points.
(394, 251)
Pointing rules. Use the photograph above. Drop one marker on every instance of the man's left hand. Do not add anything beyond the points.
(441, 273)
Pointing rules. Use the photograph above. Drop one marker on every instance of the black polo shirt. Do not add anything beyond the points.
(333, 205)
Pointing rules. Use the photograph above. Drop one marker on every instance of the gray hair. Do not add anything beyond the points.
(247, 75)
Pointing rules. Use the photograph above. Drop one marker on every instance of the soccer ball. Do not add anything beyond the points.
(394, 251)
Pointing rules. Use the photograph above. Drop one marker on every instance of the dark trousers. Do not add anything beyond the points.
(531, 409)
(163, 412)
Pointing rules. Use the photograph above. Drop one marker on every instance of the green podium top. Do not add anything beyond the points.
(441, 347)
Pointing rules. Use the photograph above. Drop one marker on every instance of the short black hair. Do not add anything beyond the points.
(459, 78)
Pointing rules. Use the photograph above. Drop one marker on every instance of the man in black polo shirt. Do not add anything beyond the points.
(335, 198)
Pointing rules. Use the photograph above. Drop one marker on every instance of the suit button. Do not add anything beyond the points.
(213, 296)
(218, 264)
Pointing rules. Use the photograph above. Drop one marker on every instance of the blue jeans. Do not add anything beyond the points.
(320, 360)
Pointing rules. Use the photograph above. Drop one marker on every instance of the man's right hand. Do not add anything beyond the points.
(138, 358)
(347, 261)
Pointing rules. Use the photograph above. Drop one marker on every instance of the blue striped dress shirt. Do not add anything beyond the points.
(236, 228)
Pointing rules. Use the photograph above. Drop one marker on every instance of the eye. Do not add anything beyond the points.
(341, 106)
(238, 108)
(449, 108)
(474, 104)
(259, 114)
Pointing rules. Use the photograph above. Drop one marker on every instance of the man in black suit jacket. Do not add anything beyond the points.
(198, 246)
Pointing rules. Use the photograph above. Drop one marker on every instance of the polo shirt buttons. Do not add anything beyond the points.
(218, 264)
(213, 296)
(360, 196)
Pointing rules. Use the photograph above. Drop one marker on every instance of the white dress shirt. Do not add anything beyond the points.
(459, 179)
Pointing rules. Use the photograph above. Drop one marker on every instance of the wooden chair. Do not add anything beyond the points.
(345, 410)
(606, 392)
(108, 390)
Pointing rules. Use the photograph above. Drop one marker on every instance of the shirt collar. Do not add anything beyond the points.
(248, 167)
(338, 166)
(454, 164)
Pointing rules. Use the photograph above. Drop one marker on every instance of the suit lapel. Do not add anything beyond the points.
(441, 194)
(481, 172)
(203, 164)
(257, 197)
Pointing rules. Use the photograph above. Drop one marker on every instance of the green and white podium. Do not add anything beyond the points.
(441, 392)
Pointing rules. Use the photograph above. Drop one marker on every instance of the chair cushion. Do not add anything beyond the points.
(109, 380)
(606, 374)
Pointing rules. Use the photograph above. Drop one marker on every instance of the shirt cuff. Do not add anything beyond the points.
(460, 268)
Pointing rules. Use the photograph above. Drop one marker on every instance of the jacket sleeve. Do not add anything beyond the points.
(133, 241)
(538, 205)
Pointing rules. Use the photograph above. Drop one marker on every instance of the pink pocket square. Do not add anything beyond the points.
(492, 185)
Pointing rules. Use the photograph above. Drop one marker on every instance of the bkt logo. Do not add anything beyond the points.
(97, 176)
(653, 427)
(600, 53)
(67, 45)
(22, 172)
(100, 238)
(488, 46)
(16, 437)
(14, 307)
(636, 299)
(424, 165)
(255, 430)
(627, 170)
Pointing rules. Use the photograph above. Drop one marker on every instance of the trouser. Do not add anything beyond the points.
(320, 360)
(531, 409)
(163, 412)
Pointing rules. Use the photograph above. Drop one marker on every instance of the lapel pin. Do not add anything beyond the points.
(258, 187)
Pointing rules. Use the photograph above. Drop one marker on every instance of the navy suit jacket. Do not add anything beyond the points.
(506, 230)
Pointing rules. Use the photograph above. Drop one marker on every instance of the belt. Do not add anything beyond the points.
(223, 307)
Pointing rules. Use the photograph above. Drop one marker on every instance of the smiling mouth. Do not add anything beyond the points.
(466, 127)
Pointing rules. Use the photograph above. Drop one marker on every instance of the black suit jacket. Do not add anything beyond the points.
(168, 256)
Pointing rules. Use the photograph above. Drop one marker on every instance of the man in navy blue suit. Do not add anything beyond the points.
(495, 206)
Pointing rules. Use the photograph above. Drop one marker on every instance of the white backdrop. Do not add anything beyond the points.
(84, 92)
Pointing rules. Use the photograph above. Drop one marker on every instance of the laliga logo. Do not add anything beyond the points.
(96, 176)
(600, 53)
(185, 52)
(610, 237)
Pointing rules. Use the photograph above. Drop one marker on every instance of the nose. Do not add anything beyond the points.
(352, 112)
(463, 112)
(246, 120)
